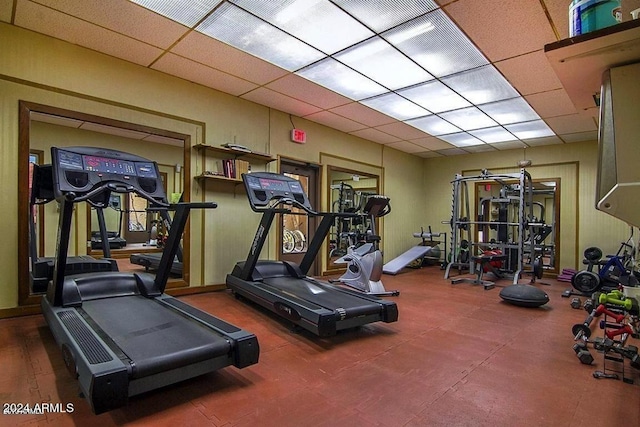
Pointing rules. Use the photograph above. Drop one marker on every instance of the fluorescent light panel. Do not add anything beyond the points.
(434, 42)
(433, 125)
(342, 79)
(317, 22)
(186, 13)
(434, 96)
(510, 111)
(378, 60)
(244, 31)
(481, 85)
(461, 139)
(493, 134)
(395, 106)
(529, 130)
(383, 14)
(468, 118)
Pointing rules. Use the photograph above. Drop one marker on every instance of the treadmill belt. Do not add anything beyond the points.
(155, 338)
(325, 296)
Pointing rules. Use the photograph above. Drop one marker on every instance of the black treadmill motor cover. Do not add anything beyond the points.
(524, 295)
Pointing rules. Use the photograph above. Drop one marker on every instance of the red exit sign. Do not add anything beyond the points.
(299, 136)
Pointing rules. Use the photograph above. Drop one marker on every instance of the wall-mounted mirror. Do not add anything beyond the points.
(131, 228)
(498, 216)
(348, 192)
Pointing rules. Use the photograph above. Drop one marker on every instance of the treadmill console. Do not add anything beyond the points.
(265, 187)
(80, 170)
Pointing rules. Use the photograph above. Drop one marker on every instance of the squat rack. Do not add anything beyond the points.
(461, 220)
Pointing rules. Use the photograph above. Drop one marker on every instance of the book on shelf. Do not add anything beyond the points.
(231, 168)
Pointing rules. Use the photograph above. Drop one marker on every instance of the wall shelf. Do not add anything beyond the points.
(241, 160)
(580, 61)
(227, 152)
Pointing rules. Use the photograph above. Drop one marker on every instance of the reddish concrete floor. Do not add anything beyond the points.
(458, 356)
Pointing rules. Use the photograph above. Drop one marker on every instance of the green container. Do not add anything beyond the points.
(590, 15)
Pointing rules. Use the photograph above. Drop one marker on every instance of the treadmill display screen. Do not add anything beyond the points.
(273, 184)
(69, 160)
(107, 165)
(146, 170)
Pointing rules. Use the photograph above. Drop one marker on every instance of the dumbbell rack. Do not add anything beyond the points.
(619, 372)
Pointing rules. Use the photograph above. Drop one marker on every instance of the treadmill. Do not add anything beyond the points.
(119, 333)
(42, 267)
(284, 287)
(151, 260)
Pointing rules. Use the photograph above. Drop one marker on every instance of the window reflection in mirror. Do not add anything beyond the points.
(42, 127)
(348, 191)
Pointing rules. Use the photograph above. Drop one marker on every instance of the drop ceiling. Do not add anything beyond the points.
(500, 41)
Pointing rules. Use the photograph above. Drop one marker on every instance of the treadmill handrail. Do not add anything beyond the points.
(116, 188)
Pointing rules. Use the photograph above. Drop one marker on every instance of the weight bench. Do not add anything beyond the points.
(479, 264)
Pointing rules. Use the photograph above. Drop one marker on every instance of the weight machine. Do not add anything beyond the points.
(514, 253)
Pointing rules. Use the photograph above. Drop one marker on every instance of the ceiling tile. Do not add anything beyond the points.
(432, 143)
(552, 103)
(559, 12)
(198, 73)
(402, 130)
(482, 148)
(124, 17)
(335, 121)
(530, 73)
(452, 152)
(547, 140)
(375, 135)
(363, 114)
(264, 96)
(428, 154)
(509, 145)
(59, 25)
(580, 136)
(523, 26)
(214, 53)
(571, 123)
(405, 146)
(308, 91)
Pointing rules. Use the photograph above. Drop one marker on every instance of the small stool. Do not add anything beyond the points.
(479, 263)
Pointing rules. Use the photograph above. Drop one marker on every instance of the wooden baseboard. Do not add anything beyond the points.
(29, 310)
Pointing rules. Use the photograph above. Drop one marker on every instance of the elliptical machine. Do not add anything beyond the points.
(364, 260)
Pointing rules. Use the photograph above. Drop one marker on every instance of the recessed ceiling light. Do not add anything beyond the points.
(434, 96)
(395, 106)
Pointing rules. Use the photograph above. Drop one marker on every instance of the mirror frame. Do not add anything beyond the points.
(25, 297)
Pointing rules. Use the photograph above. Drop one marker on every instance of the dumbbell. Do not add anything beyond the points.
(582, 329)
(614, 298)
(582, 352)
(626, 329)
(588, 305)
(576, 302)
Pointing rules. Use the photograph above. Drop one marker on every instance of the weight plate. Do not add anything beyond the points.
(537, 268)
(585, 281)
(593, 254)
